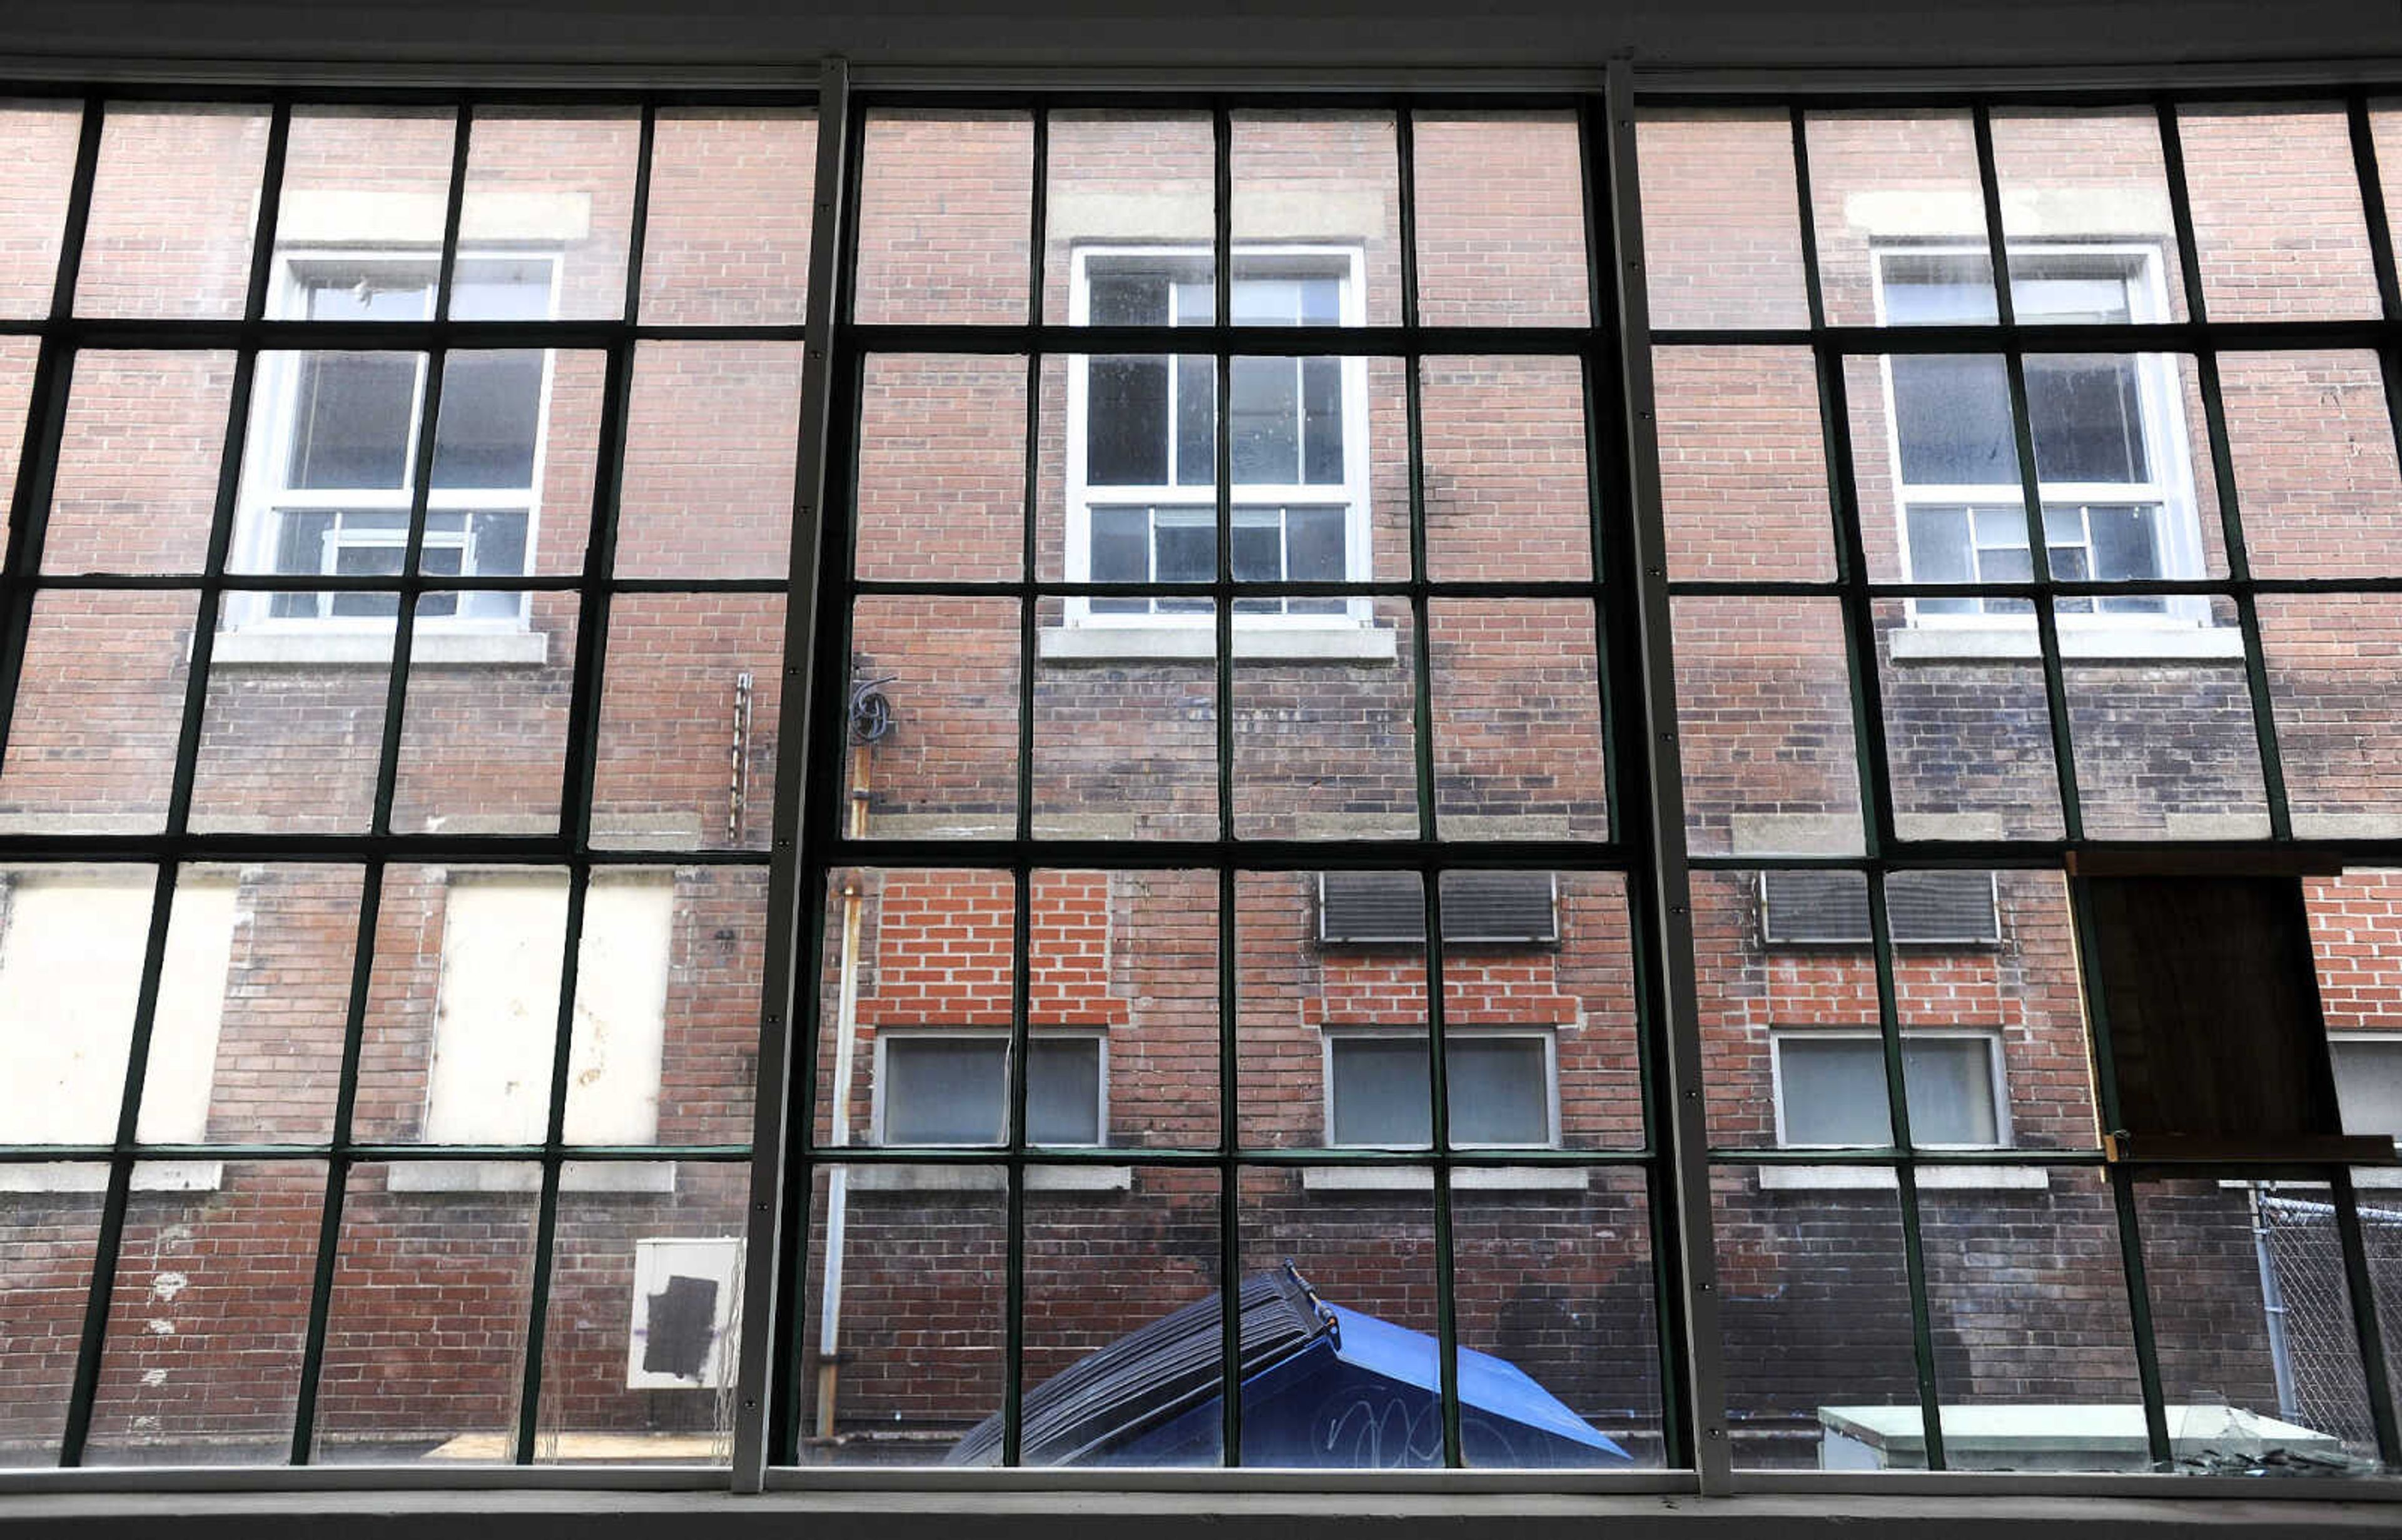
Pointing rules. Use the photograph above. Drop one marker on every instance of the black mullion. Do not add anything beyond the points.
(1221, 281)
(162, 902)
(45, 410)
(529, 1411)
(1000, 855)
(2368, 1329)
(1014, 1140)
(2047, 337)
(1905, 1171)
(1230, 1171)
(1029, 552)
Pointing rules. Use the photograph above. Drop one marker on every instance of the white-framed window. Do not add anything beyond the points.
(1503, 1083)
(1830, 1088)
(1142, 454)
(496, 1012)
(2108, 428)
(2368, 1082)
(333, 441)
(949, 1086)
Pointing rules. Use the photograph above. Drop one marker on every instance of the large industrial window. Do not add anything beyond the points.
(1209, 780)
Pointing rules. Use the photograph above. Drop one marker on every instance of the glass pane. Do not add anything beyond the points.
(99, 704)
(1498, 1088)
(1500, 219)
(2258, 1359)
(710, 447)
(689, 696)
(941, 468)
(363, 178)
(1951, 421)
(1504, 472)
(1575, 1314)
(2330, 664)
(1367, 1251)
(292, 733)
(71, 960)
(557, 181)
(1323, 179)
(960, 184)
(1721, 234)
(416, 1367)
(46, 1261)
(490, 427)
(645, 1313)
(2356, 940)
(947, 764)
(1308, 999)
(484, 731)
(726, 239)
(1742, 467)
(1263, 420)
(17, 356)
(902, 1295)
(2287, 249)
(712, 952)
(945, 1090)
(1832, 1090)
(2312, 447)
(42, 138)
(1111, 704)
(173, 207)
(1897, 196)
(1322, 745)
(1515, 699)
(2035, 1359)
(232, 1061)
(2169, 750)
(1135, 952)
(2087, 176)
(1141, 180)
(202, 1362)
(1378, 1091)
(1764, 713)
(1088, 1284)
(137, 469)
(1815, 1307)
(1967, 733)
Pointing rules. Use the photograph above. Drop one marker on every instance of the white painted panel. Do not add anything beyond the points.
(717, 1260)
(621, 1003)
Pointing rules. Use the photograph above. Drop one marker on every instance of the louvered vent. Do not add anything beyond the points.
(1367, 907)
(1831, 909)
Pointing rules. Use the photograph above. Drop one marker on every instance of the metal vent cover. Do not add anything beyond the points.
(1362, 908)
(1926, 909)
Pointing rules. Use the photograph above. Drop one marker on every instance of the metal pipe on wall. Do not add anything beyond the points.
(846, 1051)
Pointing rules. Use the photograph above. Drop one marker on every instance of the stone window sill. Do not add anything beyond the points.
(1403, 1179)
(430, 645)
(1337, 642)
(1872, 1179)
(2132, 643)
(989, 1178)
(526, 1175)
(92, 1176)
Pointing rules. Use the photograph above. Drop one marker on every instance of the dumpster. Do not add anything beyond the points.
(1322, 1386)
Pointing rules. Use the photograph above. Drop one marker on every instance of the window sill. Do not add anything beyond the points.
(1924, 643)
(92, 1176)
(526, 1175)
(1874, 1178)
(344, 649)
(987, 1178)
(1403, 1179)
(1341, 642)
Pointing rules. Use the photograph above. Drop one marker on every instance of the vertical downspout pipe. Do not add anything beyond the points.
(846, 1051)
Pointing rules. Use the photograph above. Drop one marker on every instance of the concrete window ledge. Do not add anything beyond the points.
(1402, 1178)
(1857, 1178)
(92, 1176)
(430, 645)
(990, 1178)
(526, 1175)
(2134, 643)
(1338, 642)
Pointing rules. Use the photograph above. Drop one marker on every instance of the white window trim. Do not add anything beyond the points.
(1089, 636)
(258, 637)
(2185, 629)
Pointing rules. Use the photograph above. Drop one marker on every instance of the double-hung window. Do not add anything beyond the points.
(936, 1088)
(1143, 471)
(1831, 1089)
(1502, 1083)
(2107, 428)
(334, 442)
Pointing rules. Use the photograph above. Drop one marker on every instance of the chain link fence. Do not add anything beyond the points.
(2310, 1334)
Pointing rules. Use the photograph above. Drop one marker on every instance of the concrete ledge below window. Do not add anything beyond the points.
(345, 649)
(2133, 643)
(1858, 1178)
(526, 1175)
(92, 1176)
(987, 1179)
(1341, 642)
(1412, 1179)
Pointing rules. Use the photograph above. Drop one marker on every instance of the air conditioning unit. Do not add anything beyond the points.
(1389, 908)
(687, 1300)
(1814, 908)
